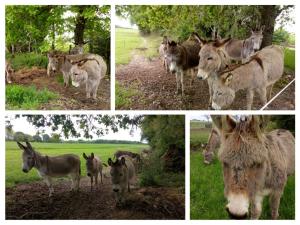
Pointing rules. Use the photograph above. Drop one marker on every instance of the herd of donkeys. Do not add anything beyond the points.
(228, 65)
(83, 68)
(123, 168)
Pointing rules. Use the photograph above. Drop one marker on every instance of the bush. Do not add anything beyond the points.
(27, 60)
(19, 97)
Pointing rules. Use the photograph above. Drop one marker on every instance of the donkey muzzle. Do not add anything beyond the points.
(25, 170)
(116, 190)
(236, 217)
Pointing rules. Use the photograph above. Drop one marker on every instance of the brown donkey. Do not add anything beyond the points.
(93, 168)
(255, 164)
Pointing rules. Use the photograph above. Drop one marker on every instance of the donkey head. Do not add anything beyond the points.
(243, 155)
(212, 57)
(118, 173)
(173, 55)
(28, 156)
(90, 165)
(55, 61)
(256, 38)
(78, 75)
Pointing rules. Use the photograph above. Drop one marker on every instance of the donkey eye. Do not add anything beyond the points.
(225, 165)
(209, 58)
(121, 174)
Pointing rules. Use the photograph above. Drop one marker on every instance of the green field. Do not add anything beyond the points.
(289, 58)
(199, 134)
(14, 174)
(130, 42)
(207, 187)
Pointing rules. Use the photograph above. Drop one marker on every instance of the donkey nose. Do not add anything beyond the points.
(116, 190)
(25, 170)
(89, 174)
(234, 216)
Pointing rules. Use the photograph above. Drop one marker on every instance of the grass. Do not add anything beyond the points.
(123, 95)
(199, 134)
(20, 97)
(129, 41)
(289, 58)
(14, 174)
(27, 60)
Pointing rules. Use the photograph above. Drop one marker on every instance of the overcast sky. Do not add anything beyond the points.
(21, 124)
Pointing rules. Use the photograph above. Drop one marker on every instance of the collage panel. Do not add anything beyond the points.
(57, 57)
(242, 167)
(97, 166)
(199, 57)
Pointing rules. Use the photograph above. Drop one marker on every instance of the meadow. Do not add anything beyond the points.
(207, 187)
(13, 166)
(130, 42)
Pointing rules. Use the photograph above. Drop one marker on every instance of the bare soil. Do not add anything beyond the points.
(157, 88)
(69, 98)
(30, 201)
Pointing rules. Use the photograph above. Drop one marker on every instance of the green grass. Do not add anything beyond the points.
(198, 134)
(129, 40)
(20, 97)
(14, 174)
(289, 58)
(207, 188)
(123, 95)
(27, 60)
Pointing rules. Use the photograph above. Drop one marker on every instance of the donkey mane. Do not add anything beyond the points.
(83, 61)
(235, 66)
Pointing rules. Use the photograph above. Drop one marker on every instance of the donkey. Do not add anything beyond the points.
(78, 49)
(89, 71)
(255, 164)
(182, 57)
(94, 168)
(242, 50)
(162, 53)
(51, 166)
(8, 72)
(122, 175)
(257, 75)
(58, 61)
(212, 145)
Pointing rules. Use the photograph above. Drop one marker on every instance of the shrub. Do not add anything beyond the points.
(28, 60)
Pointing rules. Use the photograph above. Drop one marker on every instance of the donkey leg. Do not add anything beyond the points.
(269, 92)
(256, 207)
(88, 89)
(263, 95)
(101, 176)
(91, 182)
(182, 83)
(96, 180)
(274, 204)
(177, 83)
(250, 95)
(48, 181)
(66, 77)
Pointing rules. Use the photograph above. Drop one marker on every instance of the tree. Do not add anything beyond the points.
(20, 136)
(55, 138)
(46, 138)
(37, 138)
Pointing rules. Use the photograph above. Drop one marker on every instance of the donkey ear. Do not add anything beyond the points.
(21, 146)
(29, 146)
(110, 162)
(122, 161)
(255, 123)
(260, 121)
(217, 121)
(92, 155)
(84, 156)
(199, 39)
(228, 123)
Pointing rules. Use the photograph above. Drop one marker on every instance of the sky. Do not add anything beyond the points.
(20, 124)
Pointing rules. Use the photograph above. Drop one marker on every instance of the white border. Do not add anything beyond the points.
(187, 113)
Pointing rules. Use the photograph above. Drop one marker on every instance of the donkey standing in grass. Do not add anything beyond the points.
(255, 164)
(51, 166)
(259, 75)
(94, 168)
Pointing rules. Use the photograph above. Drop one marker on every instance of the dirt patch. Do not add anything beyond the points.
(69, 98)
(30, 201)
(157, 89)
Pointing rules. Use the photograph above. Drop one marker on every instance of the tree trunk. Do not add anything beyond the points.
(53, 37)
(268, 16)
(79, 27)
